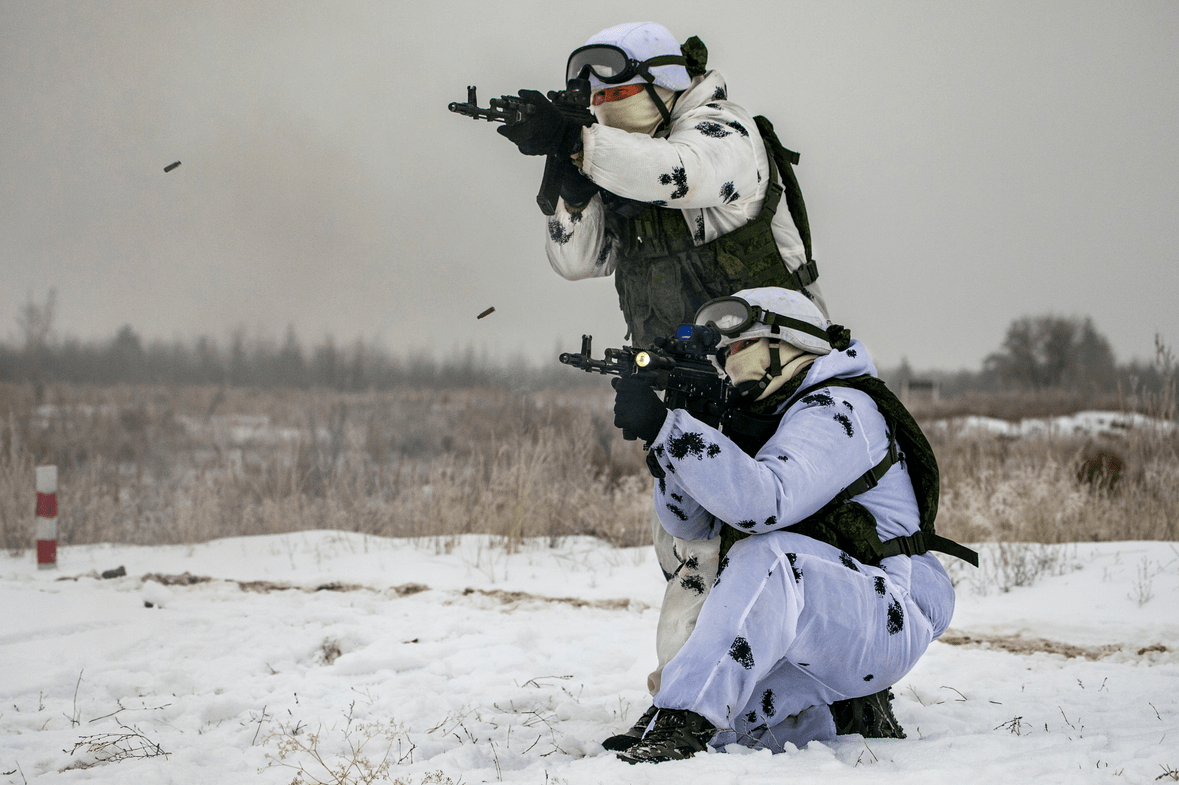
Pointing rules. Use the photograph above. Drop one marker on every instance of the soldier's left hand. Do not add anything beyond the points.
(576, 188)
(545, 130)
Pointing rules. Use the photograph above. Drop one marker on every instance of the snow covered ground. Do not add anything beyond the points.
(1094, 423)
(462, 663)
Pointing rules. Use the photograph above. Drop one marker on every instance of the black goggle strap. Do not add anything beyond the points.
(644, 68)
(777, 320)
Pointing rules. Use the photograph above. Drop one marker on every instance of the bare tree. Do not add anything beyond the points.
(36, 322)
(1047, 352)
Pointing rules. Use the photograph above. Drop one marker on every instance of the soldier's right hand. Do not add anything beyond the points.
(638, 411)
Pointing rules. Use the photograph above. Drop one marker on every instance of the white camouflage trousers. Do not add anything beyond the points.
(790, 626)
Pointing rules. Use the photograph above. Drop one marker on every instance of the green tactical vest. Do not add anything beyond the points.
(847, 524)
(663, 277)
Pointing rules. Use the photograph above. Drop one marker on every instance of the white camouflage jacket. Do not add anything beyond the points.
(712, 165)
(824, 442)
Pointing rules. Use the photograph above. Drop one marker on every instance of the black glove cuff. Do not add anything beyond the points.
(651, 428)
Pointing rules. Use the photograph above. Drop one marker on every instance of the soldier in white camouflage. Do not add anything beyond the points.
(792, 624)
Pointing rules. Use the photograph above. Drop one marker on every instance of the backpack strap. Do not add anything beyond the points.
(808, 272)
(786, 160)
(920, 542)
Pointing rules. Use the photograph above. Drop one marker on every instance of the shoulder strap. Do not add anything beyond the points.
(808, 272)
(910, 545)
(786, 160)
(871, 478)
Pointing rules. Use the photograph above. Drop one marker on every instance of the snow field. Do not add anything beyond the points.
(453, 660)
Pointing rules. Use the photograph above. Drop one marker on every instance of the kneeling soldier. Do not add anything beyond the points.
(820, 601)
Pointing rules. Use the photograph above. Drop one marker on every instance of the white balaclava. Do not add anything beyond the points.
(641, 41)
(636, 114)
(751, 363)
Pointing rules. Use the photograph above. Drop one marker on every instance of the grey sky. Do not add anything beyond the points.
(965, 163)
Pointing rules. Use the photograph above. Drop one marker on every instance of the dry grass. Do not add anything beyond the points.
(159, 465)
(164, 465)
(1000, 489)
(1055, 489)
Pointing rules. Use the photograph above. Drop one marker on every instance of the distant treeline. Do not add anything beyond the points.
(260, 362)
(1038, 354)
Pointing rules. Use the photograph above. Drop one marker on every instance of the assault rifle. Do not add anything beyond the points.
(573, 102)
(680, 366)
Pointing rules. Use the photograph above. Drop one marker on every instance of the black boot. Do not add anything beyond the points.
(626, 740)
(677, 734)
(870, 716)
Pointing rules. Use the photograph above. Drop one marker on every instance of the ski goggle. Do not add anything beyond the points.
(612, 65)
(731, 316)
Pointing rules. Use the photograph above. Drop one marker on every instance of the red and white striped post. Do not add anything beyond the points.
(46, 517)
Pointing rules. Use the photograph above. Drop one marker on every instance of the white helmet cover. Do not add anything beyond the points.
(642, 41)
(783, 302)
(773, 313)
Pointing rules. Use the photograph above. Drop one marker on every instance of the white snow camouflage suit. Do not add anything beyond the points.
(711, 164)
(793, 624)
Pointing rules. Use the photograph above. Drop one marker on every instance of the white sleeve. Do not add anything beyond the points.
(818, 450)
(578, 244)
(681, 515)
(710, 159)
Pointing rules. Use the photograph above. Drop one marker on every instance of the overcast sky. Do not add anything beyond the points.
(965, 163)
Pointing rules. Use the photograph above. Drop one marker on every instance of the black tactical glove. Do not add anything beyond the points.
(545, 130)
(576, 188)
(638, 411)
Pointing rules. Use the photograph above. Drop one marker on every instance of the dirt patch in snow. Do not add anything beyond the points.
(264, 587)
(509, 597)
(1017, 644)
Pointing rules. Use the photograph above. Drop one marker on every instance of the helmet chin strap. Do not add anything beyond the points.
(750, 390)
(642, 113)
(783, 362)
(663, 111)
